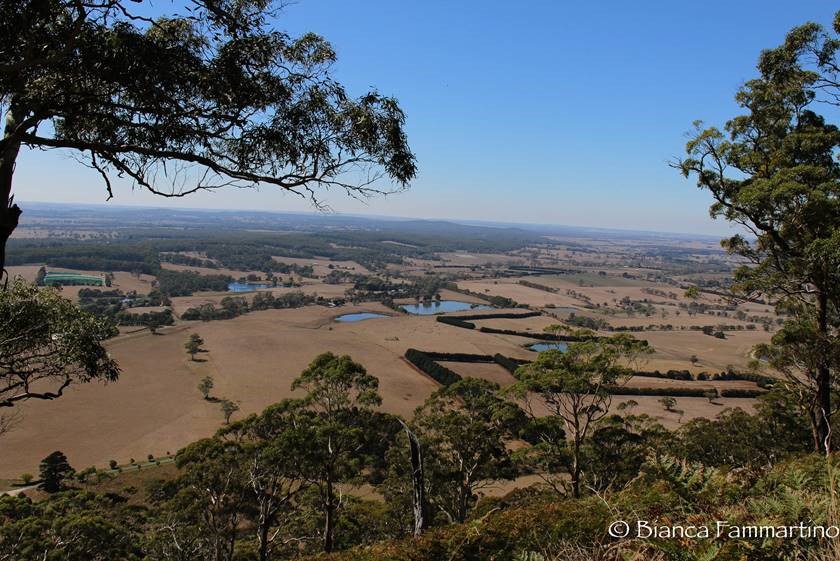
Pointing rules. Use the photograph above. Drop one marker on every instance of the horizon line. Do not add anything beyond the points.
(333, 213)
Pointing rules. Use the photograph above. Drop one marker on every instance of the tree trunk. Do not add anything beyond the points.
(822, 403)
(417, 481)
(263, 528)
(329, 514)
(9, 212)
(263, 542)
(576, 467)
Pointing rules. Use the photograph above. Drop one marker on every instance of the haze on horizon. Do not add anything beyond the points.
(538, 114)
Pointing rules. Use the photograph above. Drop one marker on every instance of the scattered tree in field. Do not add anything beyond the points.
(205, 385)
(194, 345)
(668, 403)
(228, 409)
(27, 478)
(692, 293)
(211, 96)
(574, 385)
(694, 359)
(711, 395)
(774, 171)
(628, 405)
(55, 470)
(152, 324)
(47, 344)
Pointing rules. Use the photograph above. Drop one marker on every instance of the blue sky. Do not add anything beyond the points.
(532, 111)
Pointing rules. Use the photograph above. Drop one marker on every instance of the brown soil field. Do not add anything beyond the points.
(209, 270)
(509, 288)
(469, 259)
(674, 350)
(156, 408)
(692, 408)
(649, 382)
(322, 266)
(28, 272)
(487, 371)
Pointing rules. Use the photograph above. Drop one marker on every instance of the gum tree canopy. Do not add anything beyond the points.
(775, 171)
(48, 344)
(198, 100)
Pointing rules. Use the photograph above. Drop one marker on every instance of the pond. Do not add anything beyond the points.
(359, 316)
(540, 347)
(246, 286)
(442, 307)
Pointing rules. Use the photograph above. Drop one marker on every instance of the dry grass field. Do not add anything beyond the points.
(156, 408)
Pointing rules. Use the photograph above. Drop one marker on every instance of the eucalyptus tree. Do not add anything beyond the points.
(465, 429)
(48, 344)
(573, 387)
(774, 171)
(208, 97)
(340, 395)
(276, 472)
(210, 495)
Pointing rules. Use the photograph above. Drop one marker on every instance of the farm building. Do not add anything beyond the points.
(73, 279)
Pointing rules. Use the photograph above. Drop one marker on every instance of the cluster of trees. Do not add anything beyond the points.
(281, 484)
(85, 255)
(185, 283)
(586, 322)
(233, 306)
(117, 307)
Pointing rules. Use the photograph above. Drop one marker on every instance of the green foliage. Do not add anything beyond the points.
(194, 345)
(54, 471)
(774, 171)
(228, 408)
(738, 439)
(464, 428)
(668, 403)
(185, 283)
(205, 385)
(336, 383)
(574, 386)
(56, 344)
(69, 526)
(233, 306)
